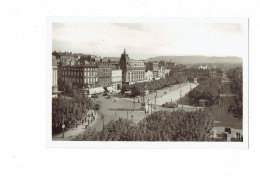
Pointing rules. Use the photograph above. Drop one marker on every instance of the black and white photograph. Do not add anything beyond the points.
(129, 91)
(172, 81)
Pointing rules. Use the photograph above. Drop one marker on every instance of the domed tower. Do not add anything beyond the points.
(124, 64)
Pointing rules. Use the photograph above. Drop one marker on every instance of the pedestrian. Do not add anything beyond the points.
(241, 138)
(237, 135)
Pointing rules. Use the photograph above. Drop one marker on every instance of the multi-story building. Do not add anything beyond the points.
(148, 75)
(213, 73)
(104, 73)
(116, 79)
(67, 58)
(161, 72)
(80, 75)
(132, 70)
(167, 72)
(154, 67)
(54, 76)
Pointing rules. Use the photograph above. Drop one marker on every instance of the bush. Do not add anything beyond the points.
(160, 126)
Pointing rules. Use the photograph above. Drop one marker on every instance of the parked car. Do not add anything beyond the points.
(170, 104)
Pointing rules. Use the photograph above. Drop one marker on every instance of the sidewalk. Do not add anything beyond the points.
(73, 132)
(219, 133)
(175, 94)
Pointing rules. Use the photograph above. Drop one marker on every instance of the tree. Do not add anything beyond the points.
(159, 126)
(68, 111)
(125, 87)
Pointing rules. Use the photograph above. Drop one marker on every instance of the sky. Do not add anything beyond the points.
(144, 40)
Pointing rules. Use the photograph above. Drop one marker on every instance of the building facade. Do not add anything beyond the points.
(116, 80)
(67, 59)
(148, 75)
(54, 76)
(132, 70)
(161, 72)
(154, 67)
(104, 73)
(80, 75)
(213, 73)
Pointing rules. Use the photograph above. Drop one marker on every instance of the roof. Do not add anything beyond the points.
(96, 90)
(104, 64)
(112, 59)
(83, 65)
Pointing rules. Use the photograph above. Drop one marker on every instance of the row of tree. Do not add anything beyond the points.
(154, 85)
(209, 90)
(159, 126)
(236, 77)
(69, 111)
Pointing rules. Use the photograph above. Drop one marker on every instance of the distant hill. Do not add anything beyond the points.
(198, 59)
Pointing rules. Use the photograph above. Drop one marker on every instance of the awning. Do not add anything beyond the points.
(95, 90)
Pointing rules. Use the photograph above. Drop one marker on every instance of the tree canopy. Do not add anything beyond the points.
(159, 126)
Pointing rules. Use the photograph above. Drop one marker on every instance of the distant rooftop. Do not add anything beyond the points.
(112, 59)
